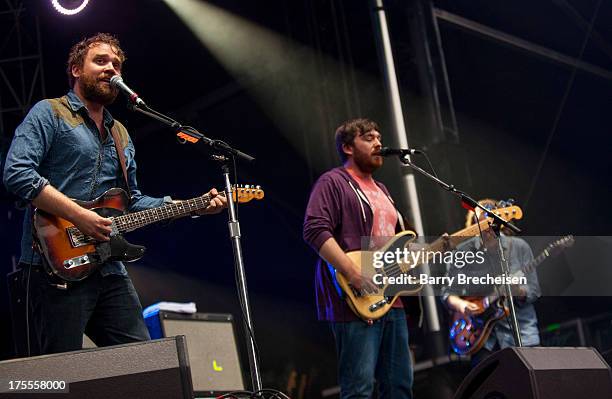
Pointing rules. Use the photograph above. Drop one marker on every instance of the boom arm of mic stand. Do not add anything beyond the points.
(217, 145)
(465, 199)
(154, 114)
(224, 147)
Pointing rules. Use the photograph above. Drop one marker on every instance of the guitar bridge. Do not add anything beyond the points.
(77, 261)
(375, 306)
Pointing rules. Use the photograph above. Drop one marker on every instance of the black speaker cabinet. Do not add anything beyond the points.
(141, 370)
(213, 353)
(539, 373)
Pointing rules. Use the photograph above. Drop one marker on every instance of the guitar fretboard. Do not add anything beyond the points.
(133, 221)
(442, 244)
(529, 267)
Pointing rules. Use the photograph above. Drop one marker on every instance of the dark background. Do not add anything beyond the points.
(528, 128)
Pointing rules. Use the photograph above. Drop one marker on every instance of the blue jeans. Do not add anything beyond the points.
(107, 309)
(377, 352)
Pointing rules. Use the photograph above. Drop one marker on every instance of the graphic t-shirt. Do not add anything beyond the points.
(385, 215)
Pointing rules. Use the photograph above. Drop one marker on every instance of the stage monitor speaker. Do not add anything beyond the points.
(538, 373)
(142, 370)
(213, 352)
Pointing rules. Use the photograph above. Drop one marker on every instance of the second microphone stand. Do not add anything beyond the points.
(496, 225)
(223, 153)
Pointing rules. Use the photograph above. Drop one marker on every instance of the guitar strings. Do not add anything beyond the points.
(142, 218)
(396, 269)
(135, 220)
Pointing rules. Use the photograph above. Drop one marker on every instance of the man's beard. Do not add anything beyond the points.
(96, 90)
(366, 163)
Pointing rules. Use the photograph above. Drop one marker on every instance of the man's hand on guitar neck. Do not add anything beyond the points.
(217, 204)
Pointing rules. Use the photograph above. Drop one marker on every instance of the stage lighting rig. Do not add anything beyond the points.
(69, 7)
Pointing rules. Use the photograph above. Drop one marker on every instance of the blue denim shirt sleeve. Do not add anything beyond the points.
(139, 201)
(33, 138)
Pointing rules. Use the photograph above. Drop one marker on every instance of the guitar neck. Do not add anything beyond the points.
(526, 269)
(530, 266)
(444, 244)
(136, 220)
(456, 238)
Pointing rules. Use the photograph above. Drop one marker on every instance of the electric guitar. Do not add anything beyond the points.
(370, 306)
(73, 256)
(468, 333)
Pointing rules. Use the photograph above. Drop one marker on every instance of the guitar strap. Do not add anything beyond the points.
(120, 147)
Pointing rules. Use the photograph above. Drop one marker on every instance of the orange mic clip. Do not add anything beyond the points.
(187, 137)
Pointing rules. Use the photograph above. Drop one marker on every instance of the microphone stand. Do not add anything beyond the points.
(225, 153)
(498, 222)
(189, 134)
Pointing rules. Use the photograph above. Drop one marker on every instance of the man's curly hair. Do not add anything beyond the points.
(78, 52)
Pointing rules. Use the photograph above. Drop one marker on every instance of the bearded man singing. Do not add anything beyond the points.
(65, 148)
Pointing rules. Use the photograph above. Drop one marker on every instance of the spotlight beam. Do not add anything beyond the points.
(303, 92)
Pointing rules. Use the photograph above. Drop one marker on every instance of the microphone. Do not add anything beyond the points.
(118, 83)
(387, 152)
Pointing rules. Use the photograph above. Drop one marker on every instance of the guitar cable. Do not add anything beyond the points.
(261, 394)
(482, 243)
(496, 288)
(244, 322)
(433, 171)
(235, 185)
(27, 305)
(479, 232)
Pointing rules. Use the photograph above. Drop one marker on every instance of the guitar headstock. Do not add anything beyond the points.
(509, 212)
(244, 193)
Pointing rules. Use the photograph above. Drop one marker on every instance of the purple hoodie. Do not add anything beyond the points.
(337, 208)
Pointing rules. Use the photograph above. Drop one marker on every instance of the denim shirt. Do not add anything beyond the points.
(59, 144)
(518, 254)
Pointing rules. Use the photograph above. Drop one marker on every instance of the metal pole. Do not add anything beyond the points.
(399, 130)
(514, 325)
(234, 229)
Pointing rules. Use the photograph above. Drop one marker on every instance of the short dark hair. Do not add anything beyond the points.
(346, 133)
(78, 52)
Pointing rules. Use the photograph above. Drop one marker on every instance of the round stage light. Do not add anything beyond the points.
(74, 8)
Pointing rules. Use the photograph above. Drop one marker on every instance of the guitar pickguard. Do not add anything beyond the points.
(121, 249)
